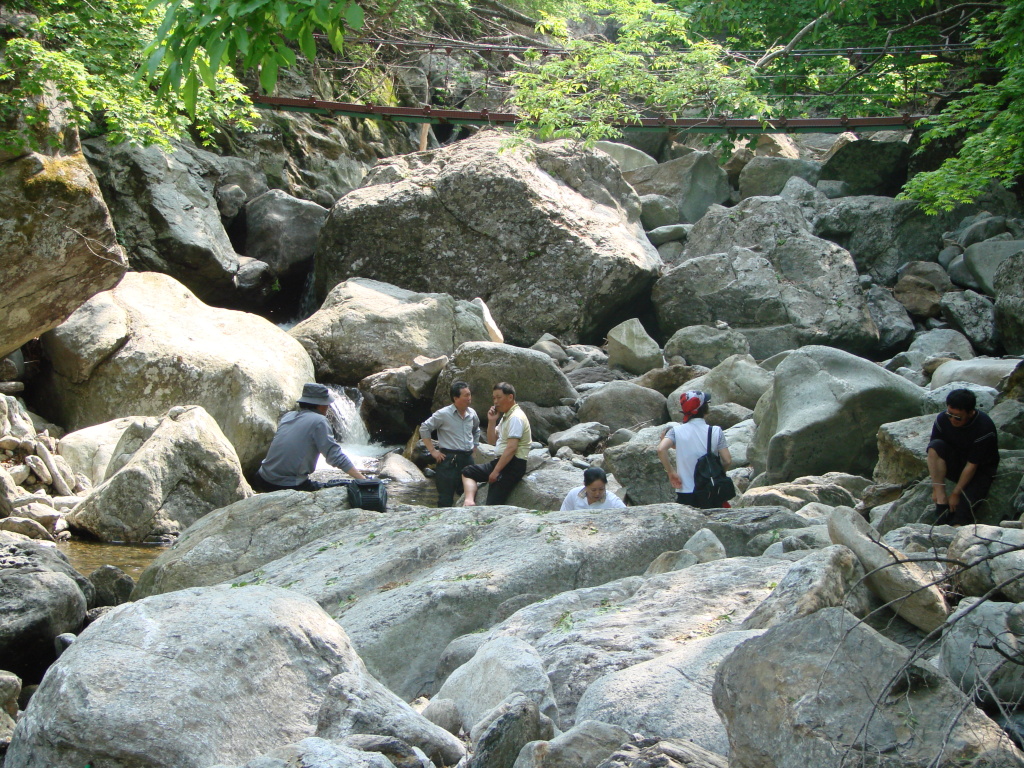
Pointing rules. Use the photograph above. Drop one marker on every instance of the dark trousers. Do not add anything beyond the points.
(264, 486)
(448, 475)
(497, 492)
(973, 493)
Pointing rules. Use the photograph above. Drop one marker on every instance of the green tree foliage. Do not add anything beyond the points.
(87, 55)
(990, 115)
(196, 38)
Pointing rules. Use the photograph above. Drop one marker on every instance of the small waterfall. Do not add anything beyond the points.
(343, 414)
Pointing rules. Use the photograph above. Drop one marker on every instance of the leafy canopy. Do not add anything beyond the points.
(87, 54)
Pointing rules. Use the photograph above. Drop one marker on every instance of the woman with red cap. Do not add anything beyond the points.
(690, 439)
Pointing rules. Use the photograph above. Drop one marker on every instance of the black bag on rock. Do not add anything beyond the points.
(711, 486)
(371, 495)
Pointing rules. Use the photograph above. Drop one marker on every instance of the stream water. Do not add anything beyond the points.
(87, 556)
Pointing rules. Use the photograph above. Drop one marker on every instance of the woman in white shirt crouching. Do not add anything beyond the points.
(593, 494)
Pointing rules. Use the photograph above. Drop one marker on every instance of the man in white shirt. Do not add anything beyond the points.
(512, 437)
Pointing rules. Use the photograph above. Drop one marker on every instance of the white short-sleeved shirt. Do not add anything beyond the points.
(691, 440)
(577, 499)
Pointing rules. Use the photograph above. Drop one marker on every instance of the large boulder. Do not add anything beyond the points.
(818, 394)
(623, 404)
(58, 242)
(668, 696)
(984, 259)
(993, 559)
(895, 328)
(282, 231)
(759, 268)
(149, 345)
(41, 596)
(869, 167)
(974, 316)
(166, 213)
(976, 641)
(91, 451)
(903, 450)
(631, 348)
(737, 379)
(548, 234)
(1008, 284)
(262, 666)
(984, 371)
(768, 175)
(881, 234)
(482, 364)
(403, 585)
(583, 635)
(636, 465)
(846, 690)
(365, 326)
(706, 345)
(695, 182)
(184, 469)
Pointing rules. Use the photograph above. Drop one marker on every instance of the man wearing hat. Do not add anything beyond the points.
(690, 439)
(302, 435)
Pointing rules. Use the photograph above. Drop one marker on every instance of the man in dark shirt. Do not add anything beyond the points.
(963, 448)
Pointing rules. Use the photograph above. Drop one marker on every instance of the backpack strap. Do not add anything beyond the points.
(709, 441)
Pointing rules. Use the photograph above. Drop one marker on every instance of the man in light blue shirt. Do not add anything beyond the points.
(302, 436)
(458, 433)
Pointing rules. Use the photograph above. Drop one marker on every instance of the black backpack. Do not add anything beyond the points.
(711, 486)
(371, 495)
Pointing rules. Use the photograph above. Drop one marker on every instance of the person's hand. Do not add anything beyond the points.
(954, 499)
(493, 477)
(492, 414)
(673, 477)
(438, 456)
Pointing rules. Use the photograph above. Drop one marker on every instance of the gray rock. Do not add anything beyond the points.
(768, 175)
(658, 211)
(140, 348)
(482, 364)
(585, 744)
(113, 586)
(706, 546)
(499, 668)
(727, 415)
(970, 652)
(39, 294)
(737, 379)
(861, 697)
(831, 577)
(983, 371)
(166, 212)
(992, 558)
(881, 234)
(961, 275)
(895, 328)
(631, 347)
(41, 596)
(582, 635)
(901, 584)
(200, 629)
(1008, 284)
(668, 234)
(869, 167)
(282, 231)
(759, 268)
(816, 387)
(184, 470)
(695, 182)
(90, 451)
(706, 345)
(942, 342)
(918, 296)
(902, 448)
(974, 316)
(983, 259)
(365, 326)
(620, 404)
(668, 696)
(668, 753)
(550, 234)
(581, 438)
(505, 733)
(629, 158)
(832, 188)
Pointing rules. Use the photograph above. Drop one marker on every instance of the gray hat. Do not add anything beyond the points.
(315, 394)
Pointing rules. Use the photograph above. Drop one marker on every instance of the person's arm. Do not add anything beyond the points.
(965, 477)
(476, 430)
(426, 428)
(567, 504)
(331, 451)
(506, 456)
(663, 449)
(492, 425)
(726, 457)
